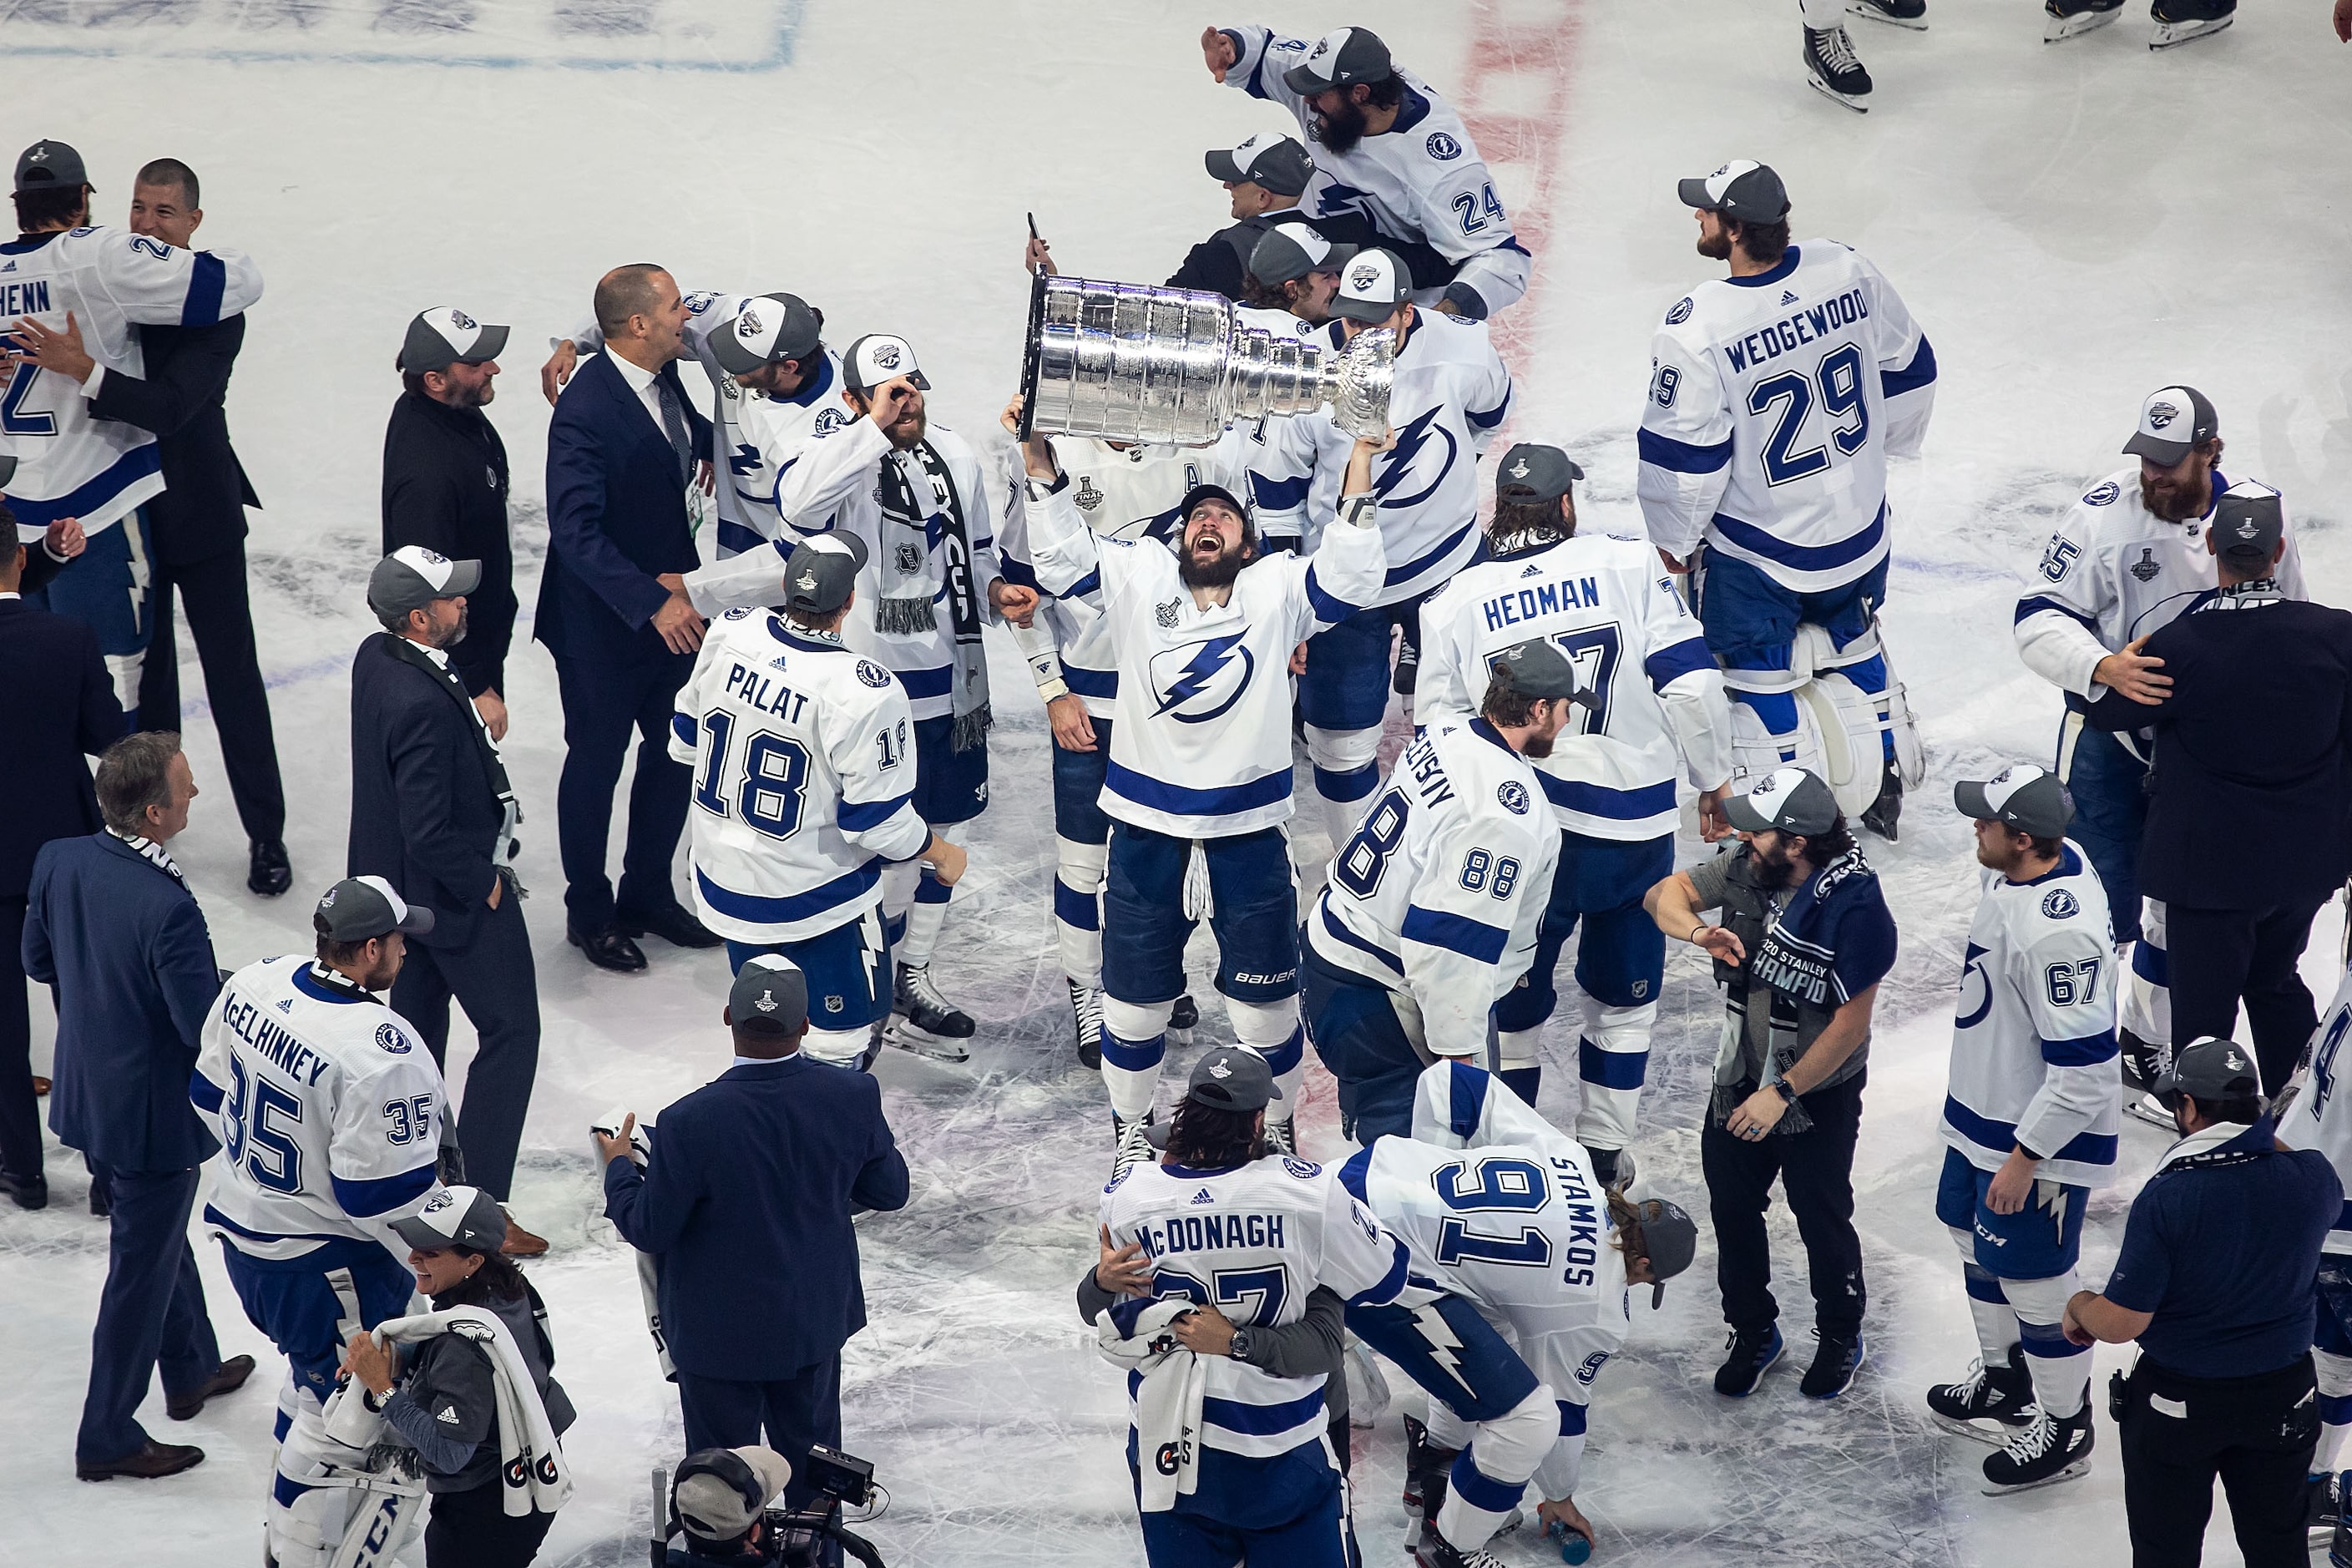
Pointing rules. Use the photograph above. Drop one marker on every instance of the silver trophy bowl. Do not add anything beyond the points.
(1128, 362)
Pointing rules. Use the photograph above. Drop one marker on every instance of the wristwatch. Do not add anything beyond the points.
(1244, 1339)
(1786, 1091)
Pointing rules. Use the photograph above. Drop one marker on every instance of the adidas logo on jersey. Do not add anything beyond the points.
(1787, 296)
(286, 1003)
(1203, 1197)
(1532, 570)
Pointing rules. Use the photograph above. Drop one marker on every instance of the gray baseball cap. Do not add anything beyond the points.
(1232, 1078)
(1341, 58)
(1669, 1238)
(769, 988)
(412, 577)
(49, 165)
(823, 573)
(2021, 797)
(1372, 286)
(1536, 668)
(1289, 250)
(446, 335)
(767, 329)
(716, 1499)
(1280, 164)
(1787, 800)
(2172, 420)
(2210, 1069)
(878, 357)
(1742, 189)
(461, 1216)
(1534, 473)
(358, 908)
(2248, 523)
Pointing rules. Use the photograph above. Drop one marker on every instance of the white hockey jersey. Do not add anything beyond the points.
(771, 434)
(68, 462)
(2115, 571)
(1422, 179)
(1202, 745)
(1130, 493)
(1439, 891)
(2320, 1119)
(803, 778)
(1497, 1205)
(1775, 401)
(1254, 1241)
(1636, 648)
(1449, 392)
(2033, 1033)
(328, 1108)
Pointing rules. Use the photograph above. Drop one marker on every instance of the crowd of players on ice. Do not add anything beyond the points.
(1193, 619)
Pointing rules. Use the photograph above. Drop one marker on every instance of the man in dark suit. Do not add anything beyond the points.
(432, 814)
(620, 453)
(57, 703)
(110, 923)
(444, 485)
(196, 527)
(2247, 833)
(746, 1202)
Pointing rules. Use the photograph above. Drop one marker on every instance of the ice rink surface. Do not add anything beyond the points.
(2074, 226)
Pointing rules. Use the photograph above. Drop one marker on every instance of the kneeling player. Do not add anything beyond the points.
(2031, 1124)
(1552, 1272)
(1431, 912)
(803, 790)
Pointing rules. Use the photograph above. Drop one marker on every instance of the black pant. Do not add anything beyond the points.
(2255, 1433)
(151, 1311)
(492, 978)
(601, 703)
(471, 1529)
(220, 618)
(2221, 955)
(795, 1412)
(1816, 1172)
(20, 1108)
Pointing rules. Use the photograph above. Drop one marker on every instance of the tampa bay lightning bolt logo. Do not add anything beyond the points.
(872, 674)
(828, 420)
(392, 1039)
(1442, 147)
(1412, 443)
(2103, 495)
(1514, 796)
(1196, 682)
(2059, 904)
(1680, 313)
(1970, 969)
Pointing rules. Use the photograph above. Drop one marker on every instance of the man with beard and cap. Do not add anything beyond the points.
(1431, 913)
(1806, 940)
(2130, 557)
(1651, 712)
(1388, 145)
(919, 501)
(1200, 751)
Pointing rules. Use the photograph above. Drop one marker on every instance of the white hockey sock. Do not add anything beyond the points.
(2144, 1001)
(924, 918)
(842, 1048)
(898, 897)
(2334, 1407)
(1517, 1063)
(1822, 13)
(1077, 909)
(1996, 1320)
(1135, 1039)
(1612, 1058)
(1347, 771)
(2061, 1369)
(1272, 1029)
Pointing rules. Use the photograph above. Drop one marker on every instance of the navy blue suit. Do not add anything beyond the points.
(747, 1202)
(56, 702)
(127, 948)
(615, 518)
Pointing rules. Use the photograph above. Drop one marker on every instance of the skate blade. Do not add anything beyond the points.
(2154, 1116)
(2058, 30)
(916, 1042)
(1179, 1039)
(1834, 95)
(1990, 1436)
(2172, 34)
(1908, 24)
(2074, 1472)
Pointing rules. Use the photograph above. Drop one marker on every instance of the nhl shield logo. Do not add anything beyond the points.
(910, 558)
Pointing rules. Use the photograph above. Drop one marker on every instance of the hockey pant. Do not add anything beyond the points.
(110, 588)
(847, 973)
(1342, 697)
(2109, 785)
(1082, 856)
(1485, 1404)
(2009, 1310)
(914, 907)
(2331, 1356)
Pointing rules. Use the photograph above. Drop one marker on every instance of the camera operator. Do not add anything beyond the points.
(718, 1501)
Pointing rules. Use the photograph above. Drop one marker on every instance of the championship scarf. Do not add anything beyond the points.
(914, 528)
(493, 765)
(155, 855)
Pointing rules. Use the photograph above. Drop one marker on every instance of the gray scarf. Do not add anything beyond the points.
(913, 528)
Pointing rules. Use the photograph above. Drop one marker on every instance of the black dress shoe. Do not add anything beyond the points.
(271, 873)
(674, 924)
(228, 1379)
(26, 1192)
(144, 1464)
(606, 949)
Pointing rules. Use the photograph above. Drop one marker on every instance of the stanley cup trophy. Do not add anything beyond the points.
(1128, 362)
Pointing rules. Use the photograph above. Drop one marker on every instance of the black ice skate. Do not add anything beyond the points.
(922, 1021)
(1130, 1143)
(1408, 664)
(1614, 1166)
(2044, 1452)
(1085, 1006)
(1183, 1019)
(2322, 1503)
(2063, 19)
(1432, 1550)
(1887, 811)
(1280, 1139)
(1832, 70)
(1988, 1404)
(2140, 1062)
(1426, 1467)
(1752, 1353)
(2183, 21)
(1911, 13)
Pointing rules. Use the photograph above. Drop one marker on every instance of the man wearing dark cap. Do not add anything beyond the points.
(2129, 558)
(2247, 834)
(1388, 146)
(444, 485)
(1264, 176)
(746, 1202)
(2214, 1281)
(1651, 717)
(2029, 1126)
(1805, 941)
(434, 815)
(798, 872)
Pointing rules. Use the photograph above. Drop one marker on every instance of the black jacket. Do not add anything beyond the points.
(58, 704)
(182, 399)
(445, 488)
(2249, 786)
(448, 1378)
(423, 814)
(1219, 263)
